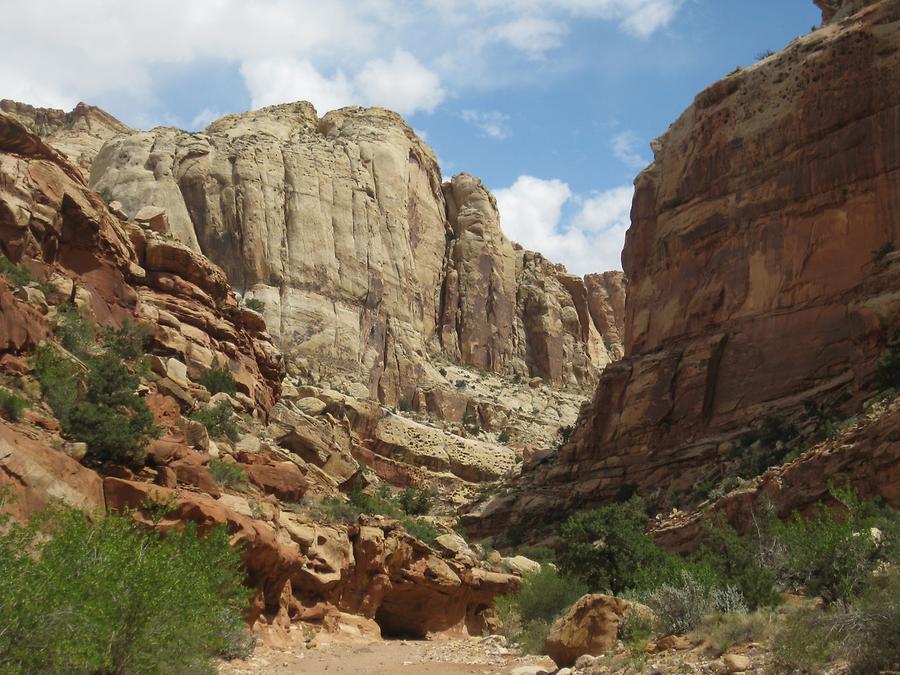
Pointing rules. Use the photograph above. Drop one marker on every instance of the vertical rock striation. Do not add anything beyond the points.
(366, 262)
(762, 270)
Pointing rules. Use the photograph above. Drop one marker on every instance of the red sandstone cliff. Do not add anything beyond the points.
(760, 266)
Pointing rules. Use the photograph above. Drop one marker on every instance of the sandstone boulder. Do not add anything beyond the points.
(590, 626)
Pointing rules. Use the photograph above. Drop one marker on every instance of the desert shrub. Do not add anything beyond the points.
(336, 510)
(609, 550)
(218, 379)
(12, 405)
(833, 552)
(721, 631)
(255, 304)
(111, 418)
(564, 434)
(528, 614)
(866, 633)
(415, 502)
(767, 445)
(504, 436)
(219, 421)
(59, 377)
(743, 562)
(129, 341)
(17, 275)
(635, 627)
(108, 596)
(226, 473)
(75, 330)
(421, 530)
(679, 606)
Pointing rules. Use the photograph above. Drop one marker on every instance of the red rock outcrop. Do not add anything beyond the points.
(49, 217)
(762, 270)
(78, 134)
(866, 457)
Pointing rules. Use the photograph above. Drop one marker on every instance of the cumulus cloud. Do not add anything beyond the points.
(277, 80)
(492, 123)
(389, 52)
(401, 83)
(625, 148)
(591, 240)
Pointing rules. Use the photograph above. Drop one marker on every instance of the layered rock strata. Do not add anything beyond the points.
(366, 262)
(762, 270)
(78, 134)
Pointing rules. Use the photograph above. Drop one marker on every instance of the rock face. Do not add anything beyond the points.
(115, 271)
(761, 267)
(364, 260)
(78, 134)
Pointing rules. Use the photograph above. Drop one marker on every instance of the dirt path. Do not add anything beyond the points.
(386, 657)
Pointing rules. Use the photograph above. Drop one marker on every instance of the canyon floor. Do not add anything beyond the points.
(383, 657)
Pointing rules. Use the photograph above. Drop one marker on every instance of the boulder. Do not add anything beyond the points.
(153, 217)
(520, 565)
(310, 406)
(736, 663)
(590, 626)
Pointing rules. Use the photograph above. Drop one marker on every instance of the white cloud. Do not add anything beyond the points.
(531, 212)
(277, 80)
(410, 56)
(532, 35)
(492, 123)
(402, 84)
(625, 148)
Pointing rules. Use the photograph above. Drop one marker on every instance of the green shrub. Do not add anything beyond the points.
(12, 405)
(832, 554)
(76, 332)
(504, 436)
(635, 628)
(415, 502)
(110, 597)
(421, 530)
(610, 551)
(528, 614)
(679, 606)
(723, 631)
(59, 377)
(741, 561)
(218, 379)
(112, 419)
(226, 473)
(17, 275)
(255, 304)
(129, 342)
(219, 421)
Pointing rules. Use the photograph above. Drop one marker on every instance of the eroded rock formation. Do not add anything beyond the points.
(761, 266)
(366, 262)
(78, 134)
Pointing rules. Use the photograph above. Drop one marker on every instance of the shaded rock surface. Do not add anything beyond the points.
(761, 266)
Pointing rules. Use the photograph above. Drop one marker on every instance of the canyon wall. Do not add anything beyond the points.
(366, 261)
(762, 270)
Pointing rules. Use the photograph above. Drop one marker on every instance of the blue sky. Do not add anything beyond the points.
(552, 102)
